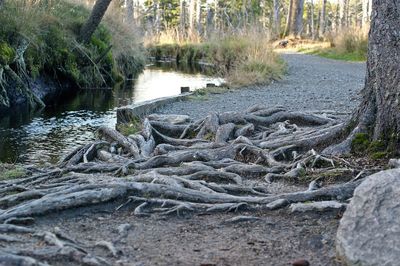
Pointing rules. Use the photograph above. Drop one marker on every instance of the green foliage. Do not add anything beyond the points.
(360, 143)
(133, 127)
(169, 15)
(7, 54)
(378, 155)
(51, 31)
(10, 171)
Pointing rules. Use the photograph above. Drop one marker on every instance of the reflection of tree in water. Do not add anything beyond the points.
(10, 145)
(123, 93)
(43, 136)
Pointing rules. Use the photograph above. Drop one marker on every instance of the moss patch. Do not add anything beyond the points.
(133, 127)
(362, 145)
(10, 171)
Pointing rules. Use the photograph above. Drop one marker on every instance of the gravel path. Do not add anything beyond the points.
(313, 83)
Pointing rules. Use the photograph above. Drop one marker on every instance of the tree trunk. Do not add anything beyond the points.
(94, 20)
(182, 17)
(191, 15)
(378, 114)
(157, 17)
(312, 20)
(289, 18)
(322, 22)
(364, 20)
(209, 20)
(342, 14)
(276, 18)
(129, 11)
(216, 15)
(198, 16)
(382, 87)
(336, 18)
(297, 21)
(369, 9)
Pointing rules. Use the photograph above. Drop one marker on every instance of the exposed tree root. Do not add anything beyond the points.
(223, 163)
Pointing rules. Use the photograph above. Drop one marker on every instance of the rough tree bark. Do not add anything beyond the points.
(209, 20)
(297, 20)
(276, 18)
(322, 23)
(378, 114)
(94, 20)
(198, 17)
(289, 18)
(182, 16)
(129, 11)
(312, 19)
(342, 14)
(192, 7)
(381, 93)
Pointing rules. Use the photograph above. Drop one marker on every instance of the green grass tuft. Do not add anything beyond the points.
(10, 171)
(133, 127)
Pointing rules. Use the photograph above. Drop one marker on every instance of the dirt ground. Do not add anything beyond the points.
(275, 238)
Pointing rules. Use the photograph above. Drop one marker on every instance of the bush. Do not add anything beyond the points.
(241, 59)
(350, 45)
(51, 31)
(7, 54)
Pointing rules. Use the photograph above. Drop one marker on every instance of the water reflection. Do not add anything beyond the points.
(47, 135)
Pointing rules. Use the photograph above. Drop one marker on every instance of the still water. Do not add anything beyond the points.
(46, 136)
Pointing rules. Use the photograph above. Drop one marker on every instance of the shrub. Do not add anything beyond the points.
(241, 59)
(51, 29)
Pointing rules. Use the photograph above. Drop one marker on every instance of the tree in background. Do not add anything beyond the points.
(203, 18)
(97, 14)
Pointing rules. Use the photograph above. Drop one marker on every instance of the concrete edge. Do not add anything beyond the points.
(128, 113)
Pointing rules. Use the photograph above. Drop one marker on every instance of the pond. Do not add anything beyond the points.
(46, 136)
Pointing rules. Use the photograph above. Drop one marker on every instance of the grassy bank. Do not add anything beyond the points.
(11, 171)
(40, 39)
(241, 60)
(351, 45)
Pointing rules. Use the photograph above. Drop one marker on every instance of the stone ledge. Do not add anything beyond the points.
(128, 113)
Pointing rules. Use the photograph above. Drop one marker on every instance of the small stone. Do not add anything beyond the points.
(394, 163)
(300, 262)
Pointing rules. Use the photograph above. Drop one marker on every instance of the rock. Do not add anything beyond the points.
(277, 204)
(394, 163)
(369, 232)
(300, 262)
(319, 206)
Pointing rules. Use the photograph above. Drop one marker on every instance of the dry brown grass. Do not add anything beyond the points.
(242, 58)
